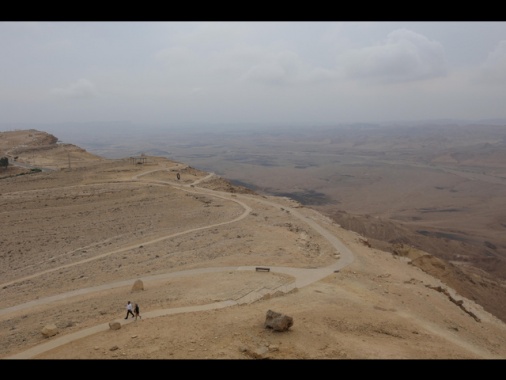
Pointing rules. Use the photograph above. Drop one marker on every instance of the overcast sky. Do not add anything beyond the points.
(260, 72)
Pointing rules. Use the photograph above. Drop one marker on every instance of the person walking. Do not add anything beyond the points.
(137, 311)
(129, 310)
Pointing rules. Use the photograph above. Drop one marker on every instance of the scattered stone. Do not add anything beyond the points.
(49, 330)
(243, 348)
(138, 285)
(257, 353)
(114, 325)
(273, 348)
(260, 352)
(365, 242)
(114, 348)
(278, 321)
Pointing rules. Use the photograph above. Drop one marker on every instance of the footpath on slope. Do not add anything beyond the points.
(302, 277)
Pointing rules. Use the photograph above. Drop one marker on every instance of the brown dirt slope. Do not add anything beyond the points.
(468, 280)
(75, 240)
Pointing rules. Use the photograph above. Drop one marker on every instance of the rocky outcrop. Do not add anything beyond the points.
(459, 303)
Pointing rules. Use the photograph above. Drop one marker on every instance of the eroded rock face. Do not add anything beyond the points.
(49, 330)
(278, 321)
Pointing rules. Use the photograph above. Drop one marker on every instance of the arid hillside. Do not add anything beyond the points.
(212, 259)
(436, 187)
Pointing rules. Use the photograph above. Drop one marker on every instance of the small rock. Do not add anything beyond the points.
(49, 330)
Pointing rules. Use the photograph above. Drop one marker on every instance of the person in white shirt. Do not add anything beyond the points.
(129, 310)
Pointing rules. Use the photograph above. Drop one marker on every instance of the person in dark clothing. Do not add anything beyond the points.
(129, 310)
(137, 311)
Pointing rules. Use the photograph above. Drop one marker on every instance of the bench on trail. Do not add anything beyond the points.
(260, 269)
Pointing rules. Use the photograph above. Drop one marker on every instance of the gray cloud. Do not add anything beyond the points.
(81, 89)
(494, 68)
(287, 68)
(234, 72)
(404, 56)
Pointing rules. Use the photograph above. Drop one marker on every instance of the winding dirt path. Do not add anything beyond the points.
(302, 276)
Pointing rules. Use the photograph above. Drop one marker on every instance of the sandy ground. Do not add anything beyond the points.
(84, 235)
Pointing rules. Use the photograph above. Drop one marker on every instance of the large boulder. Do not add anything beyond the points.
(278, 321)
